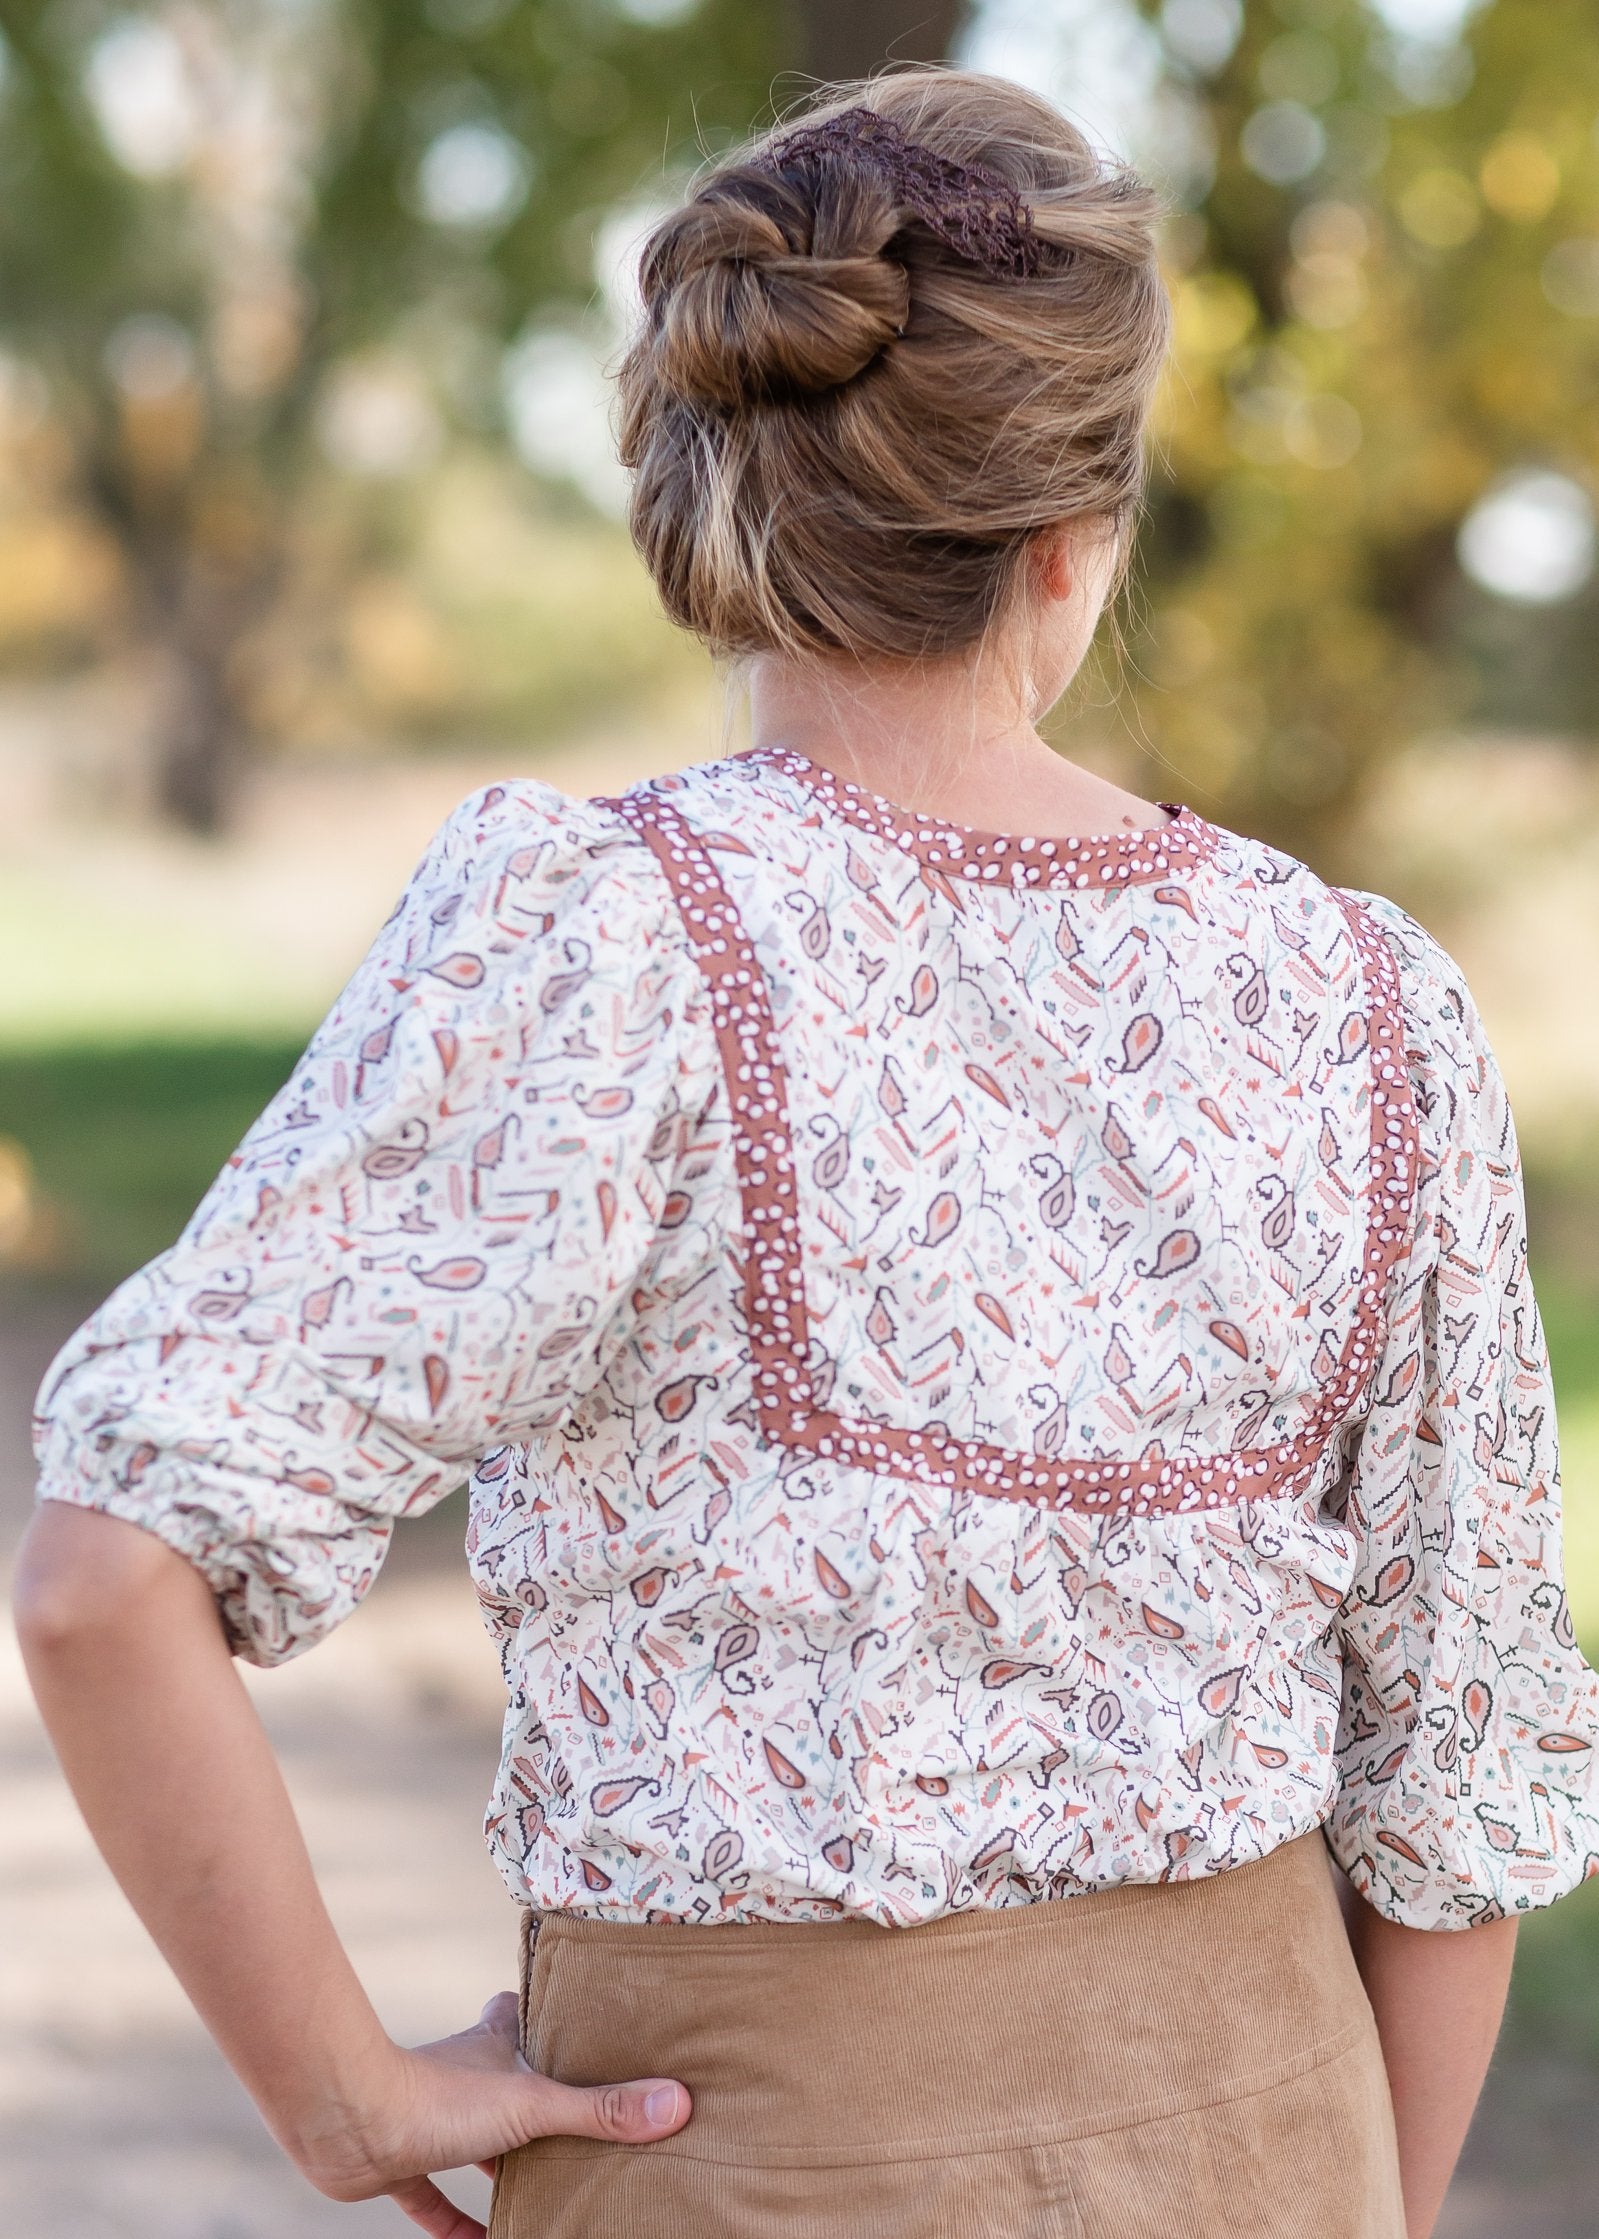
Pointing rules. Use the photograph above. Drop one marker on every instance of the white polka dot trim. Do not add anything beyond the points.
(774, 1286)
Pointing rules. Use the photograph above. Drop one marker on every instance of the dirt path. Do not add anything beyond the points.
(117, 2118)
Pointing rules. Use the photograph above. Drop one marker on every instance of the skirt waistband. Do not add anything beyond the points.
(1054, 2020)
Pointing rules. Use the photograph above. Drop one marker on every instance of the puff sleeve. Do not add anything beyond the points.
(425, 1245)
(1470, 1723)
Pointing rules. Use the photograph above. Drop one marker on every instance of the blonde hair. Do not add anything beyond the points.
(842, 435)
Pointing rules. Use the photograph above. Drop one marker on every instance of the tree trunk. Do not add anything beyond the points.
(205, 551)
(849, 38)
(200, 740)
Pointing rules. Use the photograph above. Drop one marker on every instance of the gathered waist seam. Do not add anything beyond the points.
(1082, 1908)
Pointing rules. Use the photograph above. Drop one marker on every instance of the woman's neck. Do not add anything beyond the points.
(944, 738)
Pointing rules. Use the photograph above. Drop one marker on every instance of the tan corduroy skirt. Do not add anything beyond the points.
(1195, 2058)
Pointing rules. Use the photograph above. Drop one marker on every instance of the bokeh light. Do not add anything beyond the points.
(473, 175)
(1530, 538)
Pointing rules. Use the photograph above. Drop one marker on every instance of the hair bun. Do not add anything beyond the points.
(783, 505)
(752, 293)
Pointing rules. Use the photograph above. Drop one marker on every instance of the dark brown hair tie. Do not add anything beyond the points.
(975, 213)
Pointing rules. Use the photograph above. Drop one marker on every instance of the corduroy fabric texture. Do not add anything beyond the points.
(1197, 2057)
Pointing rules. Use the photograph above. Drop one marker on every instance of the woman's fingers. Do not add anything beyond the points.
(489, 2043)
(628, 2114)
(631, 2113)
(467, 2105)
(423, 2202)
(500, 2016)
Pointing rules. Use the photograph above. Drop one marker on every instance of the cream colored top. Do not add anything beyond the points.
(987, 1367)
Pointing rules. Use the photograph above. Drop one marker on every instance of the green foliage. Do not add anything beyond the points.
(124, 1141)
(209, 213)
(602, 104)
(498, 611)
(351, 94)
(1554, 2010)
(1369, 331)
(1361, 350)
(71, 240)
(1571, 1328)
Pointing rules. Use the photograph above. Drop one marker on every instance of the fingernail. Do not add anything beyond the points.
(661, 2105)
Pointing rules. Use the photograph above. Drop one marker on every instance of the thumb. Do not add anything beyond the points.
(630, 2113)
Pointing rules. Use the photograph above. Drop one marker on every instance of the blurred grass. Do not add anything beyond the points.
(123, 1142)
(82, 964)
(1554, 1992)
(1571, 1323)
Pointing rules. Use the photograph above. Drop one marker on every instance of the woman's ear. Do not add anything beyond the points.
(1053, 570)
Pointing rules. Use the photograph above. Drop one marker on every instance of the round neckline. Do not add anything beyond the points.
(963, 851)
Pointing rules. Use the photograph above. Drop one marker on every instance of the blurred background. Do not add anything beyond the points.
(310, 523)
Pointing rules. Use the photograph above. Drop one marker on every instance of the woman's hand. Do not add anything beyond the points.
(470, 2098)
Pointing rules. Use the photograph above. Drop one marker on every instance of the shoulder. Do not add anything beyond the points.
(528, 832)
(526, 900)
(518, 865)
(1433, 990)
(1444, 1033)
(1459, 1091)
(1253, 872)
(1438, 1005)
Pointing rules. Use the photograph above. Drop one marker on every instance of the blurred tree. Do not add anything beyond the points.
(1387, 297)
(242, 239)
(238, 235)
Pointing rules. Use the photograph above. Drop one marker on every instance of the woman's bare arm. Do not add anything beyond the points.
(176, 1778)
(1439, 1997)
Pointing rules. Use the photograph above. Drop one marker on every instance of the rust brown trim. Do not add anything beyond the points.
(774, 1287)
(1001, 858)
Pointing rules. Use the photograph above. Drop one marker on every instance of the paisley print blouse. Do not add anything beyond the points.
(987, 1366)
